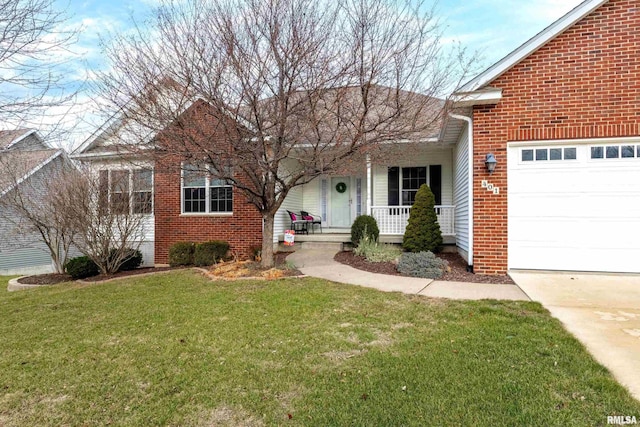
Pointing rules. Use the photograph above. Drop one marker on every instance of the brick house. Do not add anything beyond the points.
(178, 203)
(559, 115)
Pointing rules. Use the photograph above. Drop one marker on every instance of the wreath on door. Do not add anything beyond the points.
(341, 187)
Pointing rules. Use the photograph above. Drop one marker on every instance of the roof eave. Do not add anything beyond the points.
(32, 171)
(488, 96)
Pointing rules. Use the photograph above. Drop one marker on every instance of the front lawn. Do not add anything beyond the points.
(178, 349)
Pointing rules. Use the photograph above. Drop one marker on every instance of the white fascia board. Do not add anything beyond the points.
(32, 171)
(23, 136)
(481, 97)
(532, 45)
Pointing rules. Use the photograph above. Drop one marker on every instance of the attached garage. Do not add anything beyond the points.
(574, 205)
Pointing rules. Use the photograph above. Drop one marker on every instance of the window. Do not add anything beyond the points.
(548, 154)
(204, 194)
(124, 191)
(541, 154)
(119, 188)
(615, 152)
(403, 183)
(412, 179)
(142, 191)
(597, 152)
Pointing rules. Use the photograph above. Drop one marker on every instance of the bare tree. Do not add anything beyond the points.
(33, 40)
(100, 211)
(287, 90)
(35, 208)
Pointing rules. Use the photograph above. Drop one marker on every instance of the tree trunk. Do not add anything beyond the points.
(267, 240)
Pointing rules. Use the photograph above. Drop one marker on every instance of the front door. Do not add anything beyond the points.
(340, 201)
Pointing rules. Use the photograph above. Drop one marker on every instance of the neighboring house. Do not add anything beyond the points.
(561, 115)
(26, 162)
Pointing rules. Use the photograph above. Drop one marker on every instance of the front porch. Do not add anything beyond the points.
(384, 189)
(392, 222)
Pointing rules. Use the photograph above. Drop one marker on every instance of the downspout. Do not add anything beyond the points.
(469, 121)
(369, 192)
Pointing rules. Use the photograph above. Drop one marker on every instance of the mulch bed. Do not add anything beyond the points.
(457, 265)
(253, 269)
(45, 279)
(54, 278)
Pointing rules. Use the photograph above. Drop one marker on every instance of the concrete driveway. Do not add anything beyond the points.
(602, 311)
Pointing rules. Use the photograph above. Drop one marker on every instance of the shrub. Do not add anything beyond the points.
(132, 260)
(364, 225)
(81, 267)
(422, 264)
(181, 253)
(208, 253)
(423, 231)
(376, 252)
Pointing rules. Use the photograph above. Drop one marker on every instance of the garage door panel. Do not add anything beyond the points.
(581, 215)
(546, 205)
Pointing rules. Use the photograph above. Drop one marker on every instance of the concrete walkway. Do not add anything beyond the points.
(318, 262)
(601, 310)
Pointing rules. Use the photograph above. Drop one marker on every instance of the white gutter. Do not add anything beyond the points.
(469, 121)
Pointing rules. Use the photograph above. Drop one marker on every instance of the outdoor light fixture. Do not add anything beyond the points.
(490, 162)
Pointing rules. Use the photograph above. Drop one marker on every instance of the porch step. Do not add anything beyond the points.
(322, 245)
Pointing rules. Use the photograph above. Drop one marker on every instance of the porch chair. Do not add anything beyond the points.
(298, 224)
(313, 220)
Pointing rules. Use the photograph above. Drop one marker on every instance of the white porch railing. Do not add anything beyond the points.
(393, 219)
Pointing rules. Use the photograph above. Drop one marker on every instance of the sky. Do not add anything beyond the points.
(492, 28)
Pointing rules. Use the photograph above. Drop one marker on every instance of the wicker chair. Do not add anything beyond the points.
(313, 220)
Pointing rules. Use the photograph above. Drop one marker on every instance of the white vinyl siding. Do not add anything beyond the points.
(311, 198)
(147, 246)
(22, 253)
(428, 156)
(461, 193)
(293, 203)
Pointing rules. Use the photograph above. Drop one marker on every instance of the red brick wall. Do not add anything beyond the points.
(583, 84)
(242, 229)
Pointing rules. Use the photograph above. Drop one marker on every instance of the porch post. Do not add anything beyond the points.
(369, 192)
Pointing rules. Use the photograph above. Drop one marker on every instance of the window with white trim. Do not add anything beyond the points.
(403, 183)
(202, 193)
(126, 191)
(548, 154)
(617, 151)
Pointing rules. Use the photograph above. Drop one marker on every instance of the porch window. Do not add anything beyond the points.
(412, 179)
(204, 194)
(126, 191)
(403, 183)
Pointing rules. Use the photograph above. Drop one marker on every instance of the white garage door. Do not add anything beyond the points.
(575, 207)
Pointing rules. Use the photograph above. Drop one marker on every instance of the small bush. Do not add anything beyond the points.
(181, 253)
(81, 267)
(376, 252)
(208, 253)
(423, 231)
(422, 264)
(364, 225)
(132, 260)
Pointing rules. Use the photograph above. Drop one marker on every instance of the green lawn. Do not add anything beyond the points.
(178, 349)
